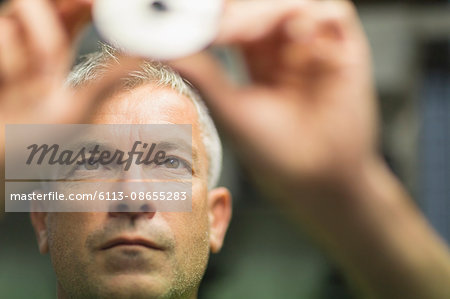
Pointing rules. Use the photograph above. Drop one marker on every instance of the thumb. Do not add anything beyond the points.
(220, 94)
(91, 94)
(75, 15)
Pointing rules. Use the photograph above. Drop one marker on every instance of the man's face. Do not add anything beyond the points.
(172, 248)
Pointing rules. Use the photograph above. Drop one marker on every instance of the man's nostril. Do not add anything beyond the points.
(131, 208)
(122, 208)
(145, 208)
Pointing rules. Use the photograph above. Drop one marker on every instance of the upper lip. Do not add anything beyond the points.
(130, 241)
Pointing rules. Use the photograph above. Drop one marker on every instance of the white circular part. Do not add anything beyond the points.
(158, 29)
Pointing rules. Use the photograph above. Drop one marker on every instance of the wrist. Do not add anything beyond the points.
(366, 222)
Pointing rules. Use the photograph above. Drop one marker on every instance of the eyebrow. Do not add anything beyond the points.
(178, 144)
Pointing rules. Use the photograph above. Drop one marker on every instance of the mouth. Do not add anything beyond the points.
(131, 243)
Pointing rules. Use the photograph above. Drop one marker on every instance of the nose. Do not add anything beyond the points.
(132, 204)
(132, 208)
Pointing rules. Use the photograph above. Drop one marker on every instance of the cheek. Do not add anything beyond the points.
(190, 226)
(73, 226)
(67, 238)
(198, 218)
(191, 230)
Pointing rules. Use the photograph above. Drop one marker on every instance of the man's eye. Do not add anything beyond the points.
(91, 166)
(88, 165)
(172, 162)
(176, 163)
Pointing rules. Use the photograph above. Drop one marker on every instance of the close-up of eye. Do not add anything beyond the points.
(88, 165)
(173, 162)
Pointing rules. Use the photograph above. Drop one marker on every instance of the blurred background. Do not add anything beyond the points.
(264, 255)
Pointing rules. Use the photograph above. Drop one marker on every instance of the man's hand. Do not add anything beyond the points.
(35, 58)
(309, 112)
(37, 39)
(307, 125)
(37, 43)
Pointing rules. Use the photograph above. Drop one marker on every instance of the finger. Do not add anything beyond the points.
(252, 20)
(206, 73)
(88, 96)
(209, 77)
(330, 33)
(43, 30)
(13, 58)
(75, 15)
(313, 40)
(249, 21)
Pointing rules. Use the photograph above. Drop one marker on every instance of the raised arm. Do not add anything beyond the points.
(37, 44)
(307, 127)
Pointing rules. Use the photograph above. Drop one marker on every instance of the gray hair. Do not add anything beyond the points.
(95, 65)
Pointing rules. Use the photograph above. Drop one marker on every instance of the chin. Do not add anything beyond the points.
(134, 286)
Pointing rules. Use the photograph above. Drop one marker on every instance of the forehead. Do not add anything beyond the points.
(150, 104)
(147, 104)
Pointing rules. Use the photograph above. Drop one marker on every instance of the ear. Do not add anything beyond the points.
(39, 222)
(219, 211)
